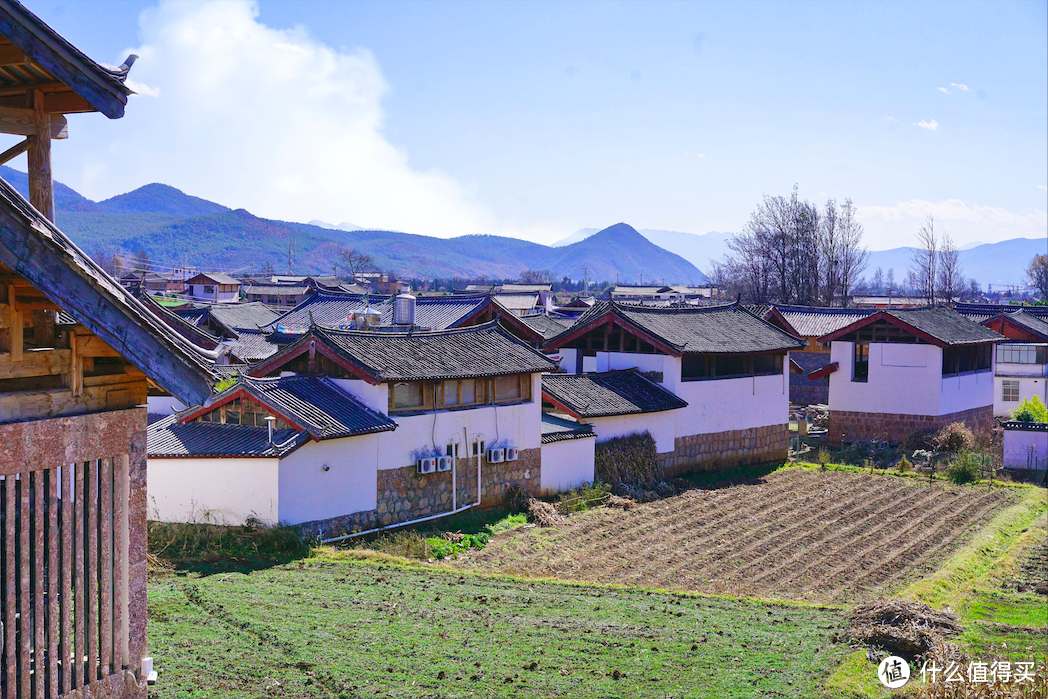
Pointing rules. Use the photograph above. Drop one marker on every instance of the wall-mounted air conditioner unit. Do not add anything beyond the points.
(512, 453)
(444, 463)
(496, 456)
(427, 465)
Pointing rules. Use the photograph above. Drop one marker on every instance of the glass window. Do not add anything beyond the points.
(407, 395)
(209, 289)
(451, 393)
(1009, 391)
(732, 365)
(507, 387)
(861, 365)
(468, 391)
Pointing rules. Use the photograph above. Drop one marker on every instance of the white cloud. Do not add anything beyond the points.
(943, 90)
(892, 119)
(959, 86)
(895, 226)
(142, 88)
(271, 120)
(1042, 188)
(932, 125)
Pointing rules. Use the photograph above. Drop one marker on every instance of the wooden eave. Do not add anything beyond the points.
(36, 57)
(611, 318)
(888, 318)
(823, 372)
(243, 393)
(776, 318)
(309, 343)
(1017, 331)
(550, 399)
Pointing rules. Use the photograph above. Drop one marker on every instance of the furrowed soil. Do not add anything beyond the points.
(825, 537)
(331, 626)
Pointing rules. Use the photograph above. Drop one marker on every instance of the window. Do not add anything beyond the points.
(1009, 391)
(699, 367)
(507, 388)
(1021, 354)
(209, 289)
(407, 395)
(861, 363)
(966, 359)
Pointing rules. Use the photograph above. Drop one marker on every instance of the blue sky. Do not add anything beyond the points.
(536, 119)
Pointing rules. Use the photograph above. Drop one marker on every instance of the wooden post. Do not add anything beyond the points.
(41, 187)
(17, 325)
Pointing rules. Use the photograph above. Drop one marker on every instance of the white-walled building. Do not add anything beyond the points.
(727, 366)
(567, 454)
(897, 372)
(213, 287)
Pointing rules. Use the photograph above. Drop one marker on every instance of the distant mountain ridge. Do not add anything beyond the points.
(696, 248)
(177, 229)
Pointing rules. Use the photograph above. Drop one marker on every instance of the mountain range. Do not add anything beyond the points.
(177, 229)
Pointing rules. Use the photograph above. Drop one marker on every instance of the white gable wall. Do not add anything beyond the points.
(308, 492)
(906, 380)
(662, 426)
(213, 490)
(1028, 388)
(566, 464)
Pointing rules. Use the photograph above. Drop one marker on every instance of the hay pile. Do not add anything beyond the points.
(620, 502)
(543, 514)
(910, 629)
(630, 460)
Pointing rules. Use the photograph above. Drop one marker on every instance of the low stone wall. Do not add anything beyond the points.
(805, 391)
(848, 425)
(719, 450)
(404, 494)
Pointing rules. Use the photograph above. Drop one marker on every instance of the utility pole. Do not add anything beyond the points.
(585, 278)
(289, 253)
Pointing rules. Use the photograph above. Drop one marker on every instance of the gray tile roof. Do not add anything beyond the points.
(1035, 324)
(557, 429)
(440, 312)
(946, 325)
(216, 277)
(475, 351)
(547, 326)
(810, 321)
(167, 437)
(314, 403)
(608, 393)
(517, 302)
(251, 346)
(979, 312)
(324, 308)
(276, 289)
(243, 316)
(724, 329)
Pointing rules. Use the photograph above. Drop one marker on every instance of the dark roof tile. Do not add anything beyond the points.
(608, 393)
(557, 429)
(167, 437)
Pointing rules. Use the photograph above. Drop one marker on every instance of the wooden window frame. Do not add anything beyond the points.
(1009, 387)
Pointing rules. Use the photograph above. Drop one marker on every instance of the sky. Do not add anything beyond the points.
(536, 119)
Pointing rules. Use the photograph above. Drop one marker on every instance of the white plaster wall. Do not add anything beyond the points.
(669, 366)
(965, 392)
(568, 358)
(906, 380)
(1017, 444)
(1028, 388)
(375, 397)
(662, 426)
(220, 491)
(1010, 369)
(566, 465)
(520, 425)
(720, 405)
(307, 492)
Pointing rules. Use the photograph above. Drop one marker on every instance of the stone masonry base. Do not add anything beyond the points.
(719, 450)
(405, 495)
(848, 426)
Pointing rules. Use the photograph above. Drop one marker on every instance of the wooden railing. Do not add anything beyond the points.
(64, 588)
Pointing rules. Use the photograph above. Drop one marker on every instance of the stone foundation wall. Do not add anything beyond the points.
(849, 425)
(404, 494)
(805, 391)
(719, 450)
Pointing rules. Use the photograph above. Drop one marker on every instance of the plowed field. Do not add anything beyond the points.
(804, 535)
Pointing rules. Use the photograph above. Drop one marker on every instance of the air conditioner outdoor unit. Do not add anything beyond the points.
(512, 453)
(444, 463)
(496, 456)
(427, 465)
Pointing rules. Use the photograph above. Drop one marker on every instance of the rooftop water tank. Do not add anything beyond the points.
(372, 318)
(404, 310)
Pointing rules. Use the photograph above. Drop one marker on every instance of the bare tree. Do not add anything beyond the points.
(536, 276)
(889, 279)
(877, 283)
(354, 263)
(950, 276)
(110, 262)
(1037, 273)
(853, 258)
(922, 275)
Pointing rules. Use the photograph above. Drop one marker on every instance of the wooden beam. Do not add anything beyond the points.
(16, 150)
(61, 401)
(66, 103)
(41, 185)
(94, 346)
(50, 362)
(11, 55)
(37, 303)
(24, 122)
(17, 325)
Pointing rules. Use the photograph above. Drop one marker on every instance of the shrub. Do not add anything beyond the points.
(921, 440)
(451, 545)
(904, 465)
(1031, 410)
(954, 438)
(823, 458)
(965, 468)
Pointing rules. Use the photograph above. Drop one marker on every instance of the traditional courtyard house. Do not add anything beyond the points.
(471, 393)
(75, 353)
(896, 372)
(1021, 370)
(222, 463)
(213, 287)
(622, 292)
(726, 364)
(616, 404)
(810, 324)
(576, 307)
(281, 296)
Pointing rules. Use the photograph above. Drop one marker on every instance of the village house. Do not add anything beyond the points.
(276, 295)
(77, 357)
(465, 414)
(727, 365)
(568, 448)
(153, 283)
(213, 287)
(1021, 370)
(897, 372)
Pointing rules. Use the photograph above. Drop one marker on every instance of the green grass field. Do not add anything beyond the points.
(337, 626)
